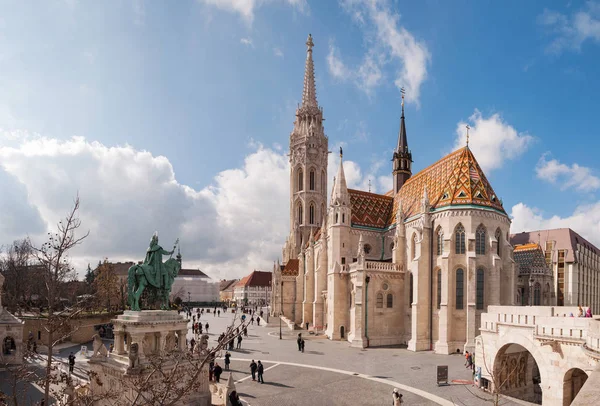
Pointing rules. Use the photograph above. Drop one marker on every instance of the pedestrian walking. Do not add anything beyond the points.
(227, 360)
(192, 344)
(71, 362)
(302, 344)
(252, 320)
(260, 371)
(253, 368)
(231, 343)
(239, 343)
(194, 319)
(219, 313)
(245, 331)
(234, 399)
(299, 341)
(206, 327)
(258, 321)
(217, 372)
(111, 348)
(397, 397)
(200, 328)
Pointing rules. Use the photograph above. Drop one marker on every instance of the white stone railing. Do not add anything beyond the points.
(381, 266)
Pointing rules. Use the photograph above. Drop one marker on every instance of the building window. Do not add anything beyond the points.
(460, 286)
(311, 179)
(311, 214)
(343, 218)
(439, 288)
(480, 290)
(380, 301)
(300, 214)
(459, 236)
(410, 290)
(480, 240)
(389, 301)
(560, 292)
(440, 241)
(300, 180)
(413, 246)
(499, 242)
(537, 294)
(337, 218)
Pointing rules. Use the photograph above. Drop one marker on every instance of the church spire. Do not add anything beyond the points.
(340, 190)
(402, 156)
(309, 94)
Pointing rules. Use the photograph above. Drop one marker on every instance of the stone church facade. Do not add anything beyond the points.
(415, 266)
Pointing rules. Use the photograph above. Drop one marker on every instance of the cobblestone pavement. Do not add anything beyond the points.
(300, 385)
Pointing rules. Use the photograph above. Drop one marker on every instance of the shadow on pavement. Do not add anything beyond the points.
(280, 385)
(245, 395)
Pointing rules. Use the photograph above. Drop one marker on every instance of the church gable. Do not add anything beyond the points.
(456, 179)
(370, 209)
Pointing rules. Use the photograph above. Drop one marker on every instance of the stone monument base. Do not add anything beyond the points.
(149, 345)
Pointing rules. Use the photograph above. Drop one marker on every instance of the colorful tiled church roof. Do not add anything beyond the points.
(292, 268)
(456, 179)
(370, 209)
(530, 259)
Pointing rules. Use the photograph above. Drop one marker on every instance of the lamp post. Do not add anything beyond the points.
(280, 308)
(367, 280)
(530, 290)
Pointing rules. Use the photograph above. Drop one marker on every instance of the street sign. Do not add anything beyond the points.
(442, 374)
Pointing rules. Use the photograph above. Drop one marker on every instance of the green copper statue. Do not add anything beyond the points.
(153, 274)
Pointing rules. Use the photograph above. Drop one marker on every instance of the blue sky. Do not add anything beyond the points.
(182, 112)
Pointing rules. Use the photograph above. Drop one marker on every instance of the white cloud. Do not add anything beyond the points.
(585, 220)
(575, 176)
(571, 31)
(247, 42)
(492, 140)
(278, 52)
(127, 194)
(389, 44)
(336, 67)
(246, 8)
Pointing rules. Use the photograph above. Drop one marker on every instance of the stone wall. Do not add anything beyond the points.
(79, 330)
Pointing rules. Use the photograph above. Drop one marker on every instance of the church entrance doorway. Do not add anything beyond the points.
(341, 331)
(516, 374)
(574, 380)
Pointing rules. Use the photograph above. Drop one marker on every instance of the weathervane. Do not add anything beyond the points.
(402, 92)
(369, 185)
(468, 128)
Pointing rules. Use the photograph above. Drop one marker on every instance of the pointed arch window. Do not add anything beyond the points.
(460, 286)
(479, 299)
(300, 180)
(499, 242)
(300, 214)
(379, 304)
(312, 179)
(311, 214)
(410, 290)
(413, 246)
(440, 241)
(439, 288)
(480, 240)
(389, 301)
(459, 237)
(537, 294)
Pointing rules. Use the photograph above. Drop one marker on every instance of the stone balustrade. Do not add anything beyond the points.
(381, 266)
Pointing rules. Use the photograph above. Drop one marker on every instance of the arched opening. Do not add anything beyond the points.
(440, 241)
(499, 242)
(312, 179)
(311, 214)
(459, 239)
(574, 380)
(300, 185)
(480, 240)
(300, 214)
(9, 346)
(517, 374)
(342, 332)
(379, 302)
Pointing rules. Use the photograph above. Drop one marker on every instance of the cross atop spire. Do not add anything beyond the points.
(468, 128)
(309, 94)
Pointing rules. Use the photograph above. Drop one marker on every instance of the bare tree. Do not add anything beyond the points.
(15, 267)
(106, 284)
(54, 260)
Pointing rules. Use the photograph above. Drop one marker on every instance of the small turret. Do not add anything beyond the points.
(402, 158)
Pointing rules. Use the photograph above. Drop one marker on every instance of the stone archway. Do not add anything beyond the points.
(517, 374)
(572, 383)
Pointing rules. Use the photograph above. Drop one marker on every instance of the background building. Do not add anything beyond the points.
(575, 264)
(226, 289)
(254, 289)
(535, 282)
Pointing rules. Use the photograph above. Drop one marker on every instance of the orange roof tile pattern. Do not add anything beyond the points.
(456, 179)
(525, 247)
(370, 209)
(292, 268)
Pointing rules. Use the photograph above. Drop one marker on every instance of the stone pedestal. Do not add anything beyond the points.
(150, 335)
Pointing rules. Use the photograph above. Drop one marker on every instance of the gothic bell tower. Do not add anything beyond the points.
(308, 163)
(402, 159)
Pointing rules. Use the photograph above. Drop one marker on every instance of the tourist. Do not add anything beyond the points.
(253, 368)
(258, 321)
(580, 312)
(211, 368)
(302, 344)
(194, 319)
(71, 362)
(245, 331)
(260, 371)
(200, 328)
(206, 327)
(299, 341)
(234, 399)
(252, 320)
(588, 312)
(469, 360)
(227, 360)
(231, 343)
(217, 372)
(192, 344)
(219, 313)
(239, 343)
(397, 397)
(111, 348)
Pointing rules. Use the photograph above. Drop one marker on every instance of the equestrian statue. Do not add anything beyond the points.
(153, 274)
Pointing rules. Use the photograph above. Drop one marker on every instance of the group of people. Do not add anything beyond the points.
(582, 313)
